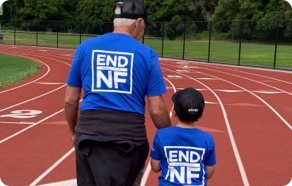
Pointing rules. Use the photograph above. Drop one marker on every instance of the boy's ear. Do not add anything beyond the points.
(173, 112)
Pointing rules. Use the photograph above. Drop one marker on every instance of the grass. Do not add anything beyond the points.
(14, 69)
(226, 51)
(251, 53)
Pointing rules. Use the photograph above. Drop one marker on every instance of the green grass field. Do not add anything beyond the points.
(14, 69)
(252, 53)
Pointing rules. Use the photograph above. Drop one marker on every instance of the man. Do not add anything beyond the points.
(115, 72)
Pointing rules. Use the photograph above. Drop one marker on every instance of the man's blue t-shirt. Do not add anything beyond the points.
(116, 72)
(184, 154)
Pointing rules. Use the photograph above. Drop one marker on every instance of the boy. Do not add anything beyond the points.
(184, 153)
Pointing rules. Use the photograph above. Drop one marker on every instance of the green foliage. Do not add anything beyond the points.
(174, 13)
(171, 15)
(266, 11)
(95, 12)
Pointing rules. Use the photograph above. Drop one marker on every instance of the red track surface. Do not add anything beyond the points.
(248, 111)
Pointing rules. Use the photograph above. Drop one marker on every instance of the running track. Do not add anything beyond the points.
(248, 111)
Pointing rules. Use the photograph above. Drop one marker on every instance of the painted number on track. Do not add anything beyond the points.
(22, 114)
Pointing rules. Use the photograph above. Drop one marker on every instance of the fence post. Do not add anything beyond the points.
(276, 45)
(80, 33)
(57, 35)
(209, 45)
(163, 35)
(240, 41)
(14, 23)
(184, 40)
(37, 36)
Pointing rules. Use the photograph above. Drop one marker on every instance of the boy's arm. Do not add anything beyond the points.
(155, 165)
(210, 170)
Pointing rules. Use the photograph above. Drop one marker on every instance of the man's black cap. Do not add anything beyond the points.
(189, 104)
(133, 9)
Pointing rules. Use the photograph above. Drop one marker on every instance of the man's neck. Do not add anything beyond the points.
(122, 30)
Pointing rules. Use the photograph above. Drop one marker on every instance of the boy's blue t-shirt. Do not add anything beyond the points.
(116, 72)
(184, 154)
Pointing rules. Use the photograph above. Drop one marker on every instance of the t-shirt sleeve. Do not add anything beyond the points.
(211, 157)
(74, 77)
(156, 85)
(155, 150)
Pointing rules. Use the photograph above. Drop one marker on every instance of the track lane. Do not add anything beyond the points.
(213, 118)
(33, 147)
(241, 111)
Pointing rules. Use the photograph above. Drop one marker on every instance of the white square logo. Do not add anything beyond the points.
(112, 71)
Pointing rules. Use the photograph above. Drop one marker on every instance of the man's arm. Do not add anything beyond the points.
(158, 112)
(71, 108)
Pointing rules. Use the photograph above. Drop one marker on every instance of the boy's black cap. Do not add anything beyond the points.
(188, 104)
(133, 9)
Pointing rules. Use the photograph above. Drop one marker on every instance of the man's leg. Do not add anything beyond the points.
(84, 174)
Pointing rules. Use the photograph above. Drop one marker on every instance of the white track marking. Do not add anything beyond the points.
(21, 122)
(259, 75)
(72, 182)
(1, 183)
(290, 183)
(269, 106)
(25, 129)
(231, 137)
(148, 168)
(36, 181)
(32, 98)
(281, 90)
(267, 92)
(258, 97)
(229, 90)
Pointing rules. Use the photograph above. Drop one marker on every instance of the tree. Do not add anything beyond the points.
(174, 13)
(95, 13)
(206, 8)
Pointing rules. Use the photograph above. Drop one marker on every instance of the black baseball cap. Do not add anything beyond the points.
(189, 104)
(133, 9)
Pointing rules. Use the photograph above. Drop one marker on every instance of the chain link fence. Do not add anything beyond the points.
(262, 43)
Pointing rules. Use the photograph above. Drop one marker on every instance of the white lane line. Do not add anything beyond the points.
(259, 75)
(268, 92)
(72, 182)
(33, 98)
(148, 168)
(258, 97)
(231, 137)
(36, 181)
(19, 122)
(50, 83)
(25, 129)
(269, 106)
(258, 82)
(230, 91)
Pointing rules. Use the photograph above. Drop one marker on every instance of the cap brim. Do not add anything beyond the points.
(148, 22)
